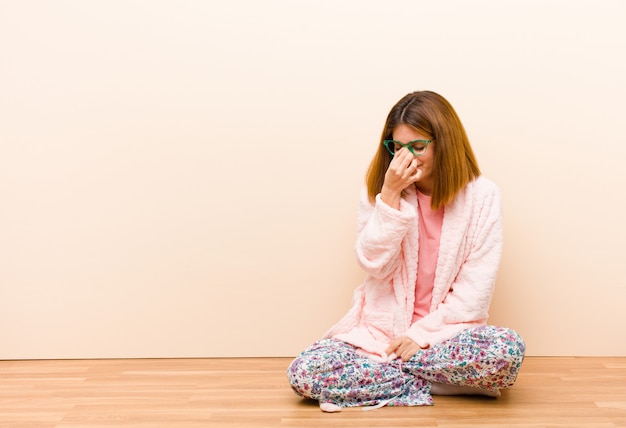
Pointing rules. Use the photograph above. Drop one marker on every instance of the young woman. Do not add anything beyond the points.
(430, 239)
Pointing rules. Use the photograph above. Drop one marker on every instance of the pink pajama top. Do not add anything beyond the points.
(429, 232)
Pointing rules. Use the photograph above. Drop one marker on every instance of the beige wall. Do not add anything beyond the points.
(181, 178)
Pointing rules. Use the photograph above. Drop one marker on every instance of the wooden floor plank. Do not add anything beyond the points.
(253, 392)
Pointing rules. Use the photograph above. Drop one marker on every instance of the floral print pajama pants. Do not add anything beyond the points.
(331, 371)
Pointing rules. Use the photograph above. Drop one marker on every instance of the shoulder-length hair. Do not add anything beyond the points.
(431, 115)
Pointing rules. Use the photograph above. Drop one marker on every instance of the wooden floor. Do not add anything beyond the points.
(194, 393)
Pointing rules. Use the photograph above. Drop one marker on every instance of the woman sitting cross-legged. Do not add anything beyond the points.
(430, 240)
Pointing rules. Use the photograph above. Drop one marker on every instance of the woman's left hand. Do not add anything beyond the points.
(403, 347)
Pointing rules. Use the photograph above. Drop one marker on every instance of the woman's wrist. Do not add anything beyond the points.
(390, 197)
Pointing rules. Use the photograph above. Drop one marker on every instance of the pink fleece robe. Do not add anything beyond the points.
(387, 248)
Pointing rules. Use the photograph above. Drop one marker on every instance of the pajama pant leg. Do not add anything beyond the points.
(485, 357)
(331, 371)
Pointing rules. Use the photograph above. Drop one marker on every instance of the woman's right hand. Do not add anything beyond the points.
(402, 172)
(403, 347)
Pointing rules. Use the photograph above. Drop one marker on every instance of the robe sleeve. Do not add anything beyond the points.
(380, 231)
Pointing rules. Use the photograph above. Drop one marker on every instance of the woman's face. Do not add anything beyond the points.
(404, 134)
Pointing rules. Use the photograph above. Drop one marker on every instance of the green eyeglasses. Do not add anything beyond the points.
(417, 147)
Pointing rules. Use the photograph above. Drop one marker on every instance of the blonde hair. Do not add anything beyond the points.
(431, 115)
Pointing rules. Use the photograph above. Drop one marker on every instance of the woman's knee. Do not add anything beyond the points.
(314, 363)
(501, 341)
(513, 343)
(299, 379)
